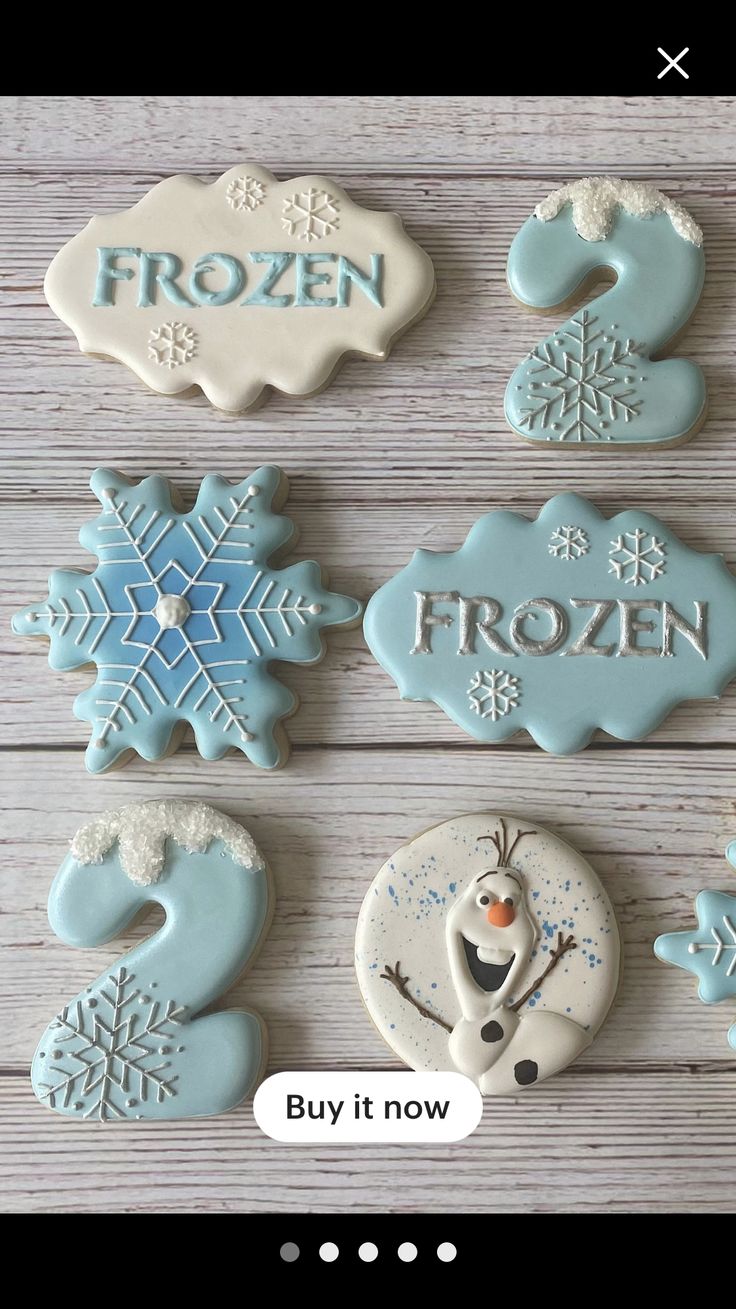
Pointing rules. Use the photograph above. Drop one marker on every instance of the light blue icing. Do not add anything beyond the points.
(714, 942)
(160, 268)
(709, 952)
(108, 272)
(183, 617)
(348, 273)
(144, 1064)
(544, 625)
(592, 379)
(261, 295)
(306, 279)
(207, 264)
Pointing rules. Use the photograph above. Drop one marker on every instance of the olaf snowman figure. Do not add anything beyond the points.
(500, 1041)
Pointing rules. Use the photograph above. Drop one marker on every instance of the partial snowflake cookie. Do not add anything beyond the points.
(241, 285)
(592, 382)
(133, 1044)
(559, 626)
(489, 947)
(183, 617)
(708, 951)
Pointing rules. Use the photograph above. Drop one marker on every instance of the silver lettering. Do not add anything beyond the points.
(584, 644)
(548, 644)
(426, 620)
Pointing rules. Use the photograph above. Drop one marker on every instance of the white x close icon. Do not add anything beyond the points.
(673, 63)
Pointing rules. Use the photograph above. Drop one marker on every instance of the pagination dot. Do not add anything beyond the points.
(289, 1252)
(329, 1252)
(368, 1252)
(407, 1252)
(446, 1252)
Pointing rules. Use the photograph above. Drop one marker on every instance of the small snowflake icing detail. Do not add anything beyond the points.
(172, 344)
(245, 194)
(577, 387)
(182, 616)
(493, 693)
(310, 214)
(568, 542)
(106, 1058)
(642, 557)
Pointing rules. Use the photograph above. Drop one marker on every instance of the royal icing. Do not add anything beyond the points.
(488, 945)
(183, 616)
(131, 1044)
(709, 951)
(558, 626)
(242, 284)
(592, 380)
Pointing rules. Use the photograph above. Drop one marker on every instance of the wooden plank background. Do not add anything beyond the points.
(391, 457)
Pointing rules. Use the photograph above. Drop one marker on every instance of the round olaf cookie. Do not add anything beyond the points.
(488, 946)
(593, 382)
(239, 285)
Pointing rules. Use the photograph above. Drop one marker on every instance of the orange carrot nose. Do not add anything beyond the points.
(500, 914)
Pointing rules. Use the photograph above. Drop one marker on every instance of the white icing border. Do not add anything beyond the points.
(142, 829)
(595, 201)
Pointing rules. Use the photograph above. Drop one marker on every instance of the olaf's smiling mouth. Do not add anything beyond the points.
(488, 967)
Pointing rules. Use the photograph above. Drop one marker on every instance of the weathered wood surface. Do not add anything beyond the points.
(391, 457)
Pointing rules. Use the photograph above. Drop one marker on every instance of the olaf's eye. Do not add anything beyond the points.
(508, 900)
(483, 900)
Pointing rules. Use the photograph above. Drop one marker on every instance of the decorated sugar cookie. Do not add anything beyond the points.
(132, 1044)
(488, 945)
(558, 626)
(592, 381)
(708, 951)
(243, 284)
(183, 617)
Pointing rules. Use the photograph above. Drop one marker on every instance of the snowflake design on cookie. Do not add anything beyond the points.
(493, 693)
(310, 214)
(182, 616)
(583, 381)
(642, 557)
(568, 542)
(708, 951)
(172, 344)
(106, 1059)
(244, 194)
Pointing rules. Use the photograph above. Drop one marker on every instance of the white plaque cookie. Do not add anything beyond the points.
(487, 945)
(242, 284)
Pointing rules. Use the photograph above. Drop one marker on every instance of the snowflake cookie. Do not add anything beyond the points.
(183, 616)
(559, 626)
(131, 1044)
(240, 285)
(708, 951)
(488, 946)
(592, 381)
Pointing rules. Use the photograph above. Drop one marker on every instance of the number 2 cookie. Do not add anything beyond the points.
(133, 1044)
(243, 284)
(183, 617)
(488, 945)
(593, 380)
